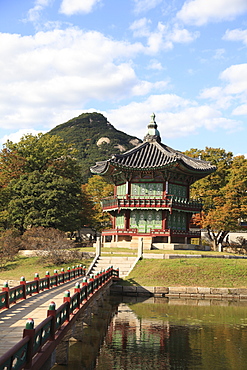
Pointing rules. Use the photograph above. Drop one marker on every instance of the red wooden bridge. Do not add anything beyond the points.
(32, 328)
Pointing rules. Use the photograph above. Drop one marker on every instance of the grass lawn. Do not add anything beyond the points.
(189, 272)
(28, 266)
(207, 272)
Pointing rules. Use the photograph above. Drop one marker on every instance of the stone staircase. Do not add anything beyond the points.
(124, 264)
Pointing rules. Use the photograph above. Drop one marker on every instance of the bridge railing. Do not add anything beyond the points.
(10, 296)
(28, 351)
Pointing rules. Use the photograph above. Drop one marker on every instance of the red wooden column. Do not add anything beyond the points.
(164, 220)
(127, 219)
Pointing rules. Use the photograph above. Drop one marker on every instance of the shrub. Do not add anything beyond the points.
(52, 242)
(9, 246)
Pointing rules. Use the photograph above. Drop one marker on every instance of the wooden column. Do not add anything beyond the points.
(127, 219)
(128, 185)
(164, 220)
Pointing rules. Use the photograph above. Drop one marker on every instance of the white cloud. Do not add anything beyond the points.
(175, 116)
(181, 35)
(156, 65)
(218, 95)
(241, 110)
(233, 92)
(200, 12)
(35, 12)
(163, 37)
(70, 7)
(50, 72)
(16, 136)
(145, 5)
(141, 27)
(236, 35)
(236, 78)
(219, 54)
(158, 41)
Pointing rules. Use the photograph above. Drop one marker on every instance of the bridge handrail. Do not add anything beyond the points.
(24, 289)
(23, 353)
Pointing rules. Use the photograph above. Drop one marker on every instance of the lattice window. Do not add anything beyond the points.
(121, 190)
(120, 221)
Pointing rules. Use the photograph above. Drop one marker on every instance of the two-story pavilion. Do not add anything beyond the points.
(151, 193)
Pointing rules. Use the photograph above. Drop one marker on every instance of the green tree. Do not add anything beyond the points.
(45, 199)
(41, 184)
(38, 152)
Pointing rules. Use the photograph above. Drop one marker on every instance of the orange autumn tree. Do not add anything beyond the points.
(96, 189)
(223, 194)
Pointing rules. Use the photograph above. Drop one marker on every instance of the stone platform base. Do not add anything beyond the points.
(148, 245)
(178, 246)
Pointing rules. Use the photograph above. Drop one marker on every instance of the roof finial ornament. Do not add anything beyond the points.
(152, 134)
(153, 118)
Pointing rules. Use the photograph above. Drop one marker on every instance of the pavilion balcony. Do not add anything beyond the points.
(153, 232)
(169, 202)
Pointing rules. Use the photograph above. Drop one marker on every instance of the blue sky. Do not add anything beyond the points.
(183, 60)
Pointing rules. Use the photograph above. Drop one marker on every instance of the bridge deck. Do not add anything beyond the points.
(13, 320)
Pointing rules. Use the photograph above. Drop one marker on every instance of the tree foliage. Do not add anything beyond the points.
(9, 246)
(223, 193)
(44, 188)
(96, 189)
(45, 199)
(53, 242)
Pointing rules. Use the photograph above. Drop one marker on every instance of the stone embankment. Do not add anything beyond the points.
(168, 256)
(181, 292)
(69, 253)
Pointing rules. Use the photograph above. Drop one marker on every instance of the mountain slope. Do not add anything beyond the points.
(94, 138)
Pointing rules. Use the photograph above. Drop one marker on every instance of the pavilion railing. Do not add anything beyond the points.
(150, 202)
(152, 232)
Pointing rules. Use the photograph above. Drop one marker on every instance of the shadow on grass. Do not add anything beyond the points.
(12, 265)
(127, 282)
(9, 267)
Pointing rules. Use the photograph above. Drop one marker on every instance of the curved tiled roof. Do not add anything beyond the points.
(152, 154)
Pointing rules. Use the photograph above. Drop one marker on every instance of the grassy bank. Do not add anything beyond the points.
(189, 272)
(28, 266)
(149, 272)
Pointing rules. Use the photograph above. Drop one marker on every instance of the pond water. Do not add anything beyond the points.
(158, 333)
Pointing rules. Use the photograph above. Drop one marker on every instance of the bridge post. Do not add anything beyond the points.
(67, 299)
(47, 275)
(23, 283)
(52, 312)
(6, 289)
(30, 332)
(36, 278)
(56, 276)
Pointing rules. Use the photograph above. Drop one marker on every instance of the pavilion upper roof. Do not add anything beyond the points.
(151, 155)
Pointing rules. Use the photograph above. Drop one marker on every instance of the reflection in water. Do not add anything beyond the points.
(164, 334)
(174, 336)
